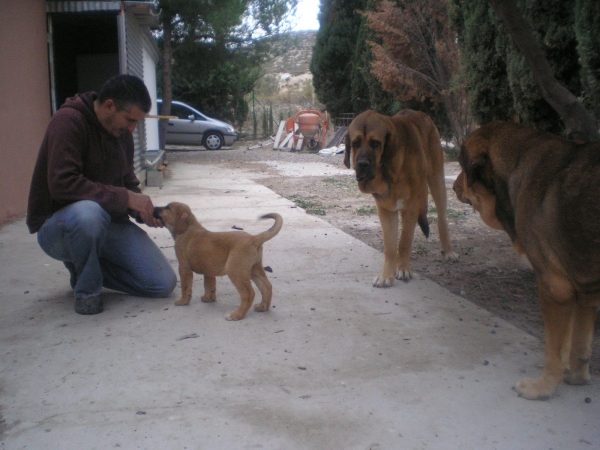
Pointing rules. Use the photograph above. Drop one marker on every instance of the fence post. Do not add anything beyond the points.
(253, 116)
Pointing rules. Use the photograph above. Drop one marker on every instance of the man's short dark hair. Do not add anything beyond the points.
(126, 90)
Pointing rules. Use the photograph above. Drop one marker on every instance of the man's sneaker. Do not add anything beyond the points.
(90, 305)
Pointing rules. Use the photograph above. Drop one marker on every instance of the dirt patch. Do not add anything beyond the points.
(488, 273)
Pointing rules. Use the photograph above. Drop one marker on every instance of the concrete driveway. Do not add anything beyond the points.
(336, 363)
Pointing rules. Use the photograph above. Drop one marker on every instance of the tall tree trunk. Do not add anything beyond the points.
(579, 122)
(167, 91)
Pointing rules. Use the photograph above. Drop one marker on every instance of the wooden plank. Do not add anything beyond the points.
(337, 138)
(279, 133)
(154, 116)
(286, 140)
(299, 143)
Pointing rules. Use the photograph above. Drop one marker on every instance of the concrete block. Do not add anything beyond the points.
(154, 178)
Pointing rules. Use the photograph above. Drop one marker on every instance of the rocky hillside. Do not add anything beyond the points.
(286, 84)
(296, 58)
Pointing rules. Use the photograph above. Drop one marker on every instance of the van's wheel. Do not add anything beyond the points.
(213, 140)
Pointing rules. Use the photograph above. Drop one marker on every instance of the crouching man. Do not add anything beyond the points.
(83, 191)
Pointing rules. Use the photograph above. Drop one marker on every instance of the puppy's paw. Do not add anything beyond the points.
(450, 256)
(382, 281)
(540, 388)
(181, 301)
(261, 307)
(234, 316)
(207, 298)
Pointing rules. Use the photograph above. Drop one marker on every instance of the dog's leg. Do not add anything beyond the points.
(246, 291)
(389, 227)
(264, 286)
(409, 222)
(581, 344)
(437, 186)
(186, 276)
(210, 289)
(558, 314)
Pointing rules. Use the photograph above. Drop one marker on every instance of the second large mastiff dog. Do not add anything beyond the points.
(544, 192)
(396, 159)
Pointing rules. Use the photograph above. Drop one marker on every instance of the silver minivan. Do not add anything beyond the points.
(194, 128)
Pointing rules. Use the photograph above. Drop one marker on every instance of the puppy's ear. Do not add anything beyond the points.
(347, 151)
(182, 223)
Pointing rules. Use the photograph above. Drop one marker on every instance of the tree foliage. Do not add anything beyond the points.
(367, 90)
(507, 81)
(343, 65)
(212, 50)
(418, 58)
(587, 18)
(333, 55)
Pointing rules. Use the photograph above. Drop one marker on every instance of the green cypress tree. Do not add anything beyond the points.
(334, 51)
(367, 92)
(552, 22)
(587, 30)
(486, 80)
(499, 81)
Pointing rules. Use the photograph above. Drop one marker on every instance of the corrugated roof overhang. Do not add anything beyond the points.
(144, 11)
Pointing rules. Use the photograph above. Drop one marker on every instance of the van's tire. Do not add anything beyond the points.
(213, 140)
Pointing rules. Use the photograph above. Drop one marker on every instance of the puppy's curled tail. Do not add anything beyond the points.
(271, 232)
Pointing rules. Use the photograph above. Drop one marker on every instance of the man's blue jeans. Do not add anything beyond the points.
(98, 252)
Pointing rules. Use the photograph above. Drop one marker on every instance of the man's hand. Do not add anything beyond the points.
(143, 205)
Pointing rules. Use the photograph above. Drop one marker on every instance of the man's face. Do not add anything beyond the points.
(117, 122)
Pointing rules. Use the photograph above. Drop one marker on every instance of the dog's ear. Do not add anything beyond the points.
(475, 172)
(183, 221)
(475, 162)
(347, 151)
(386, 149)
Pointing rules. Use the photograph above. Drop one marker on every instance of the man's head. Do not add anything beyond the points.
(121, 103)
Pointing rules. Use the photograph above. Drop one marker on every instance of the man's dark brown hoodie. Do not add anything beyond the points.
(79, 160)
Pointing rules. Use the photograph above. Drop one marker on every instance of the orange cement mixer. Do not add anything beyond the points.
(309, 125)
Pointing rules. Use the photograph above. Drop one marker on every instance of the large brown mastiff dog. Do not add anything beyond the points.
(544, 192)
(395, 159)
(236, 254)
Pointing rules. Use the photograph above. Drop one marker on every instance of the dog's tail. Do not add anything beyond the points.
(271, 232)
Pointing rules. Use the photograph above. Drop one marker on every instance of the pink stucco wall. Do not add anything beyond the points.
(24, 99)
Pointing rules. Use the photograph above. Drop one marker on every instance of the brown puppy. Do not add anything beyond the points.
(233, 253)
(396, 159)
(544, 192)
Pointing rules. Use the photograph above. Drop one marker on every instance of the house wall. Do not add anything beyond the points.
(24, 100)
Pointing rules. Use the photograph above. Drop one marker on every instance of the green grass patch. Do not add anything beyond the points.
(420, 249)
(466, 250)
(454, 214)
(332, 181)
(366, 211)
(450, 213)
(311, 207)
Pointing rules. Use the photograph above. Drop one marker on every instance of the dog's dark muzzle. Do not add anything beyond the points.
(364, 170)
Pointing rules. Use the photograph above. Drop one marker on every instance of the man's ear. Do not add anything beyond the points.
(347, 151)
(182, 223)
(109, 105)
